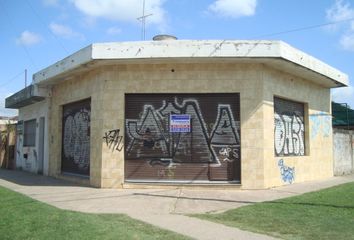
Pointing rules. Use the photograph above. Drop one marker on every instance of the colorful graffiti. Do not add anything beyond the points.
(113, 140)
(149, 137)
(320, 124)
(289, 137)
(287, 173)
(76, 137)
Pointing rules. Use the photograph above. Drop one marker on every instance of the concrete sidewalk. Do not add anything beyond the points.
(161, 207)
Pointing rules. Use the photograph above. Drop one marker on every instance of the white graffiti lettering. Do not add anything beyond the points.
(149, 135)
(76, 144)
(289, 135)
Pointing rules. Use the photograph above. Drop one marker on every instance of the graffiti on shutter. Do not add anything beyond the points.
(149, 136)
(289, 128)
(76, 138)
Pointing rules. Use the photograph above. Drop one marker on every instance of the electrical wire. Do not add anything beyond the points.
(46, 26)
(304, 28)
(13, 78)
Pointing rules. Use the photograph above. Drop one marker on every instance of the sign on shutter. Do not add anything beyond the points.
(180, 123)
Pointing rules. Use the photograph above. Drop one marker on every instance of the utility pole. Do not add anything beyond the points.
(143, 21)
(25, 77)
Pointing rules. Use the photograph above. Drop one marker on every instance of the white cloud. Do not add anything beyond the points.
(28, 38)
(64, 31)
(233, 8)
(119, 10)
(347, 41)
(352, 26)
(341, 11)
(113, 31)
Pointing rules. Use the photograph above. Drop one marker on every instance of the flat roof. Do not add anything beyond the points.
(276, 54)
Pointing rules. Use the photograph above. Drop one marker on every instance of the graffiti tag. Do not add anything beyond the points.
(113, 140)
(287, 173)
(229, 154)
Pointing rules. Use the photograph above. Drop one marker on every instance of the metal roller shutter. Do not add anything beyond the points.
(208, 150)
(289, 127)
(76, 138)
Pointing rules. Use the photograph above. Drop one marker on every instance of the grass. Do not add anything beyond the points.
(24, 218)
(325, 214)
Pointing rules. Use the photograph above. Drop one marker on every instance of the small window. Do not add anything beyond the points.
(289, 128)
(29, 133)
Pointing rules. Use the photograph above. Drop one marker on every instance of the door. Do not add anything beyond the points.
(204, 145)
(76, 138)
(41, 145)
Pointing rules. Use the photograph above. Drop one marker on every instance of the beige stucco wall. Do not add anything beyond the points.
(256, 83)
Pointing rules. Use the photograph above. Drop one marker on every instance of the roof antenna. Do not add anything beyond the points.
(143, 21)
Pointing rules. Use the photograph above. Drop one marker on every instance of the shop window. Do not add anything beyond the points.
(289, 128)
(29, 134)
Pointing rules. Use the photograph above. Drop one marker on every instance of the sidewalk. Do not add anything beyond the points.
(161, 207)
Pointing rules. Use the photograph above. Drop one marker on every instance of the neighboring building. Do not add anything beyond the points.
(255, 113)
(7, 141)
(5, 121)
(343, 116)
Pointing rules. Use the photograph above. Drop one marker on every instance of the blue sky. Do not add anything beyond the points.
(36, 33)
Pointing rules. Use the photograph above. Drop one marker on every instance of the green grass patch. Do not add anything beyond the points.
(325, 214)
(24, 218)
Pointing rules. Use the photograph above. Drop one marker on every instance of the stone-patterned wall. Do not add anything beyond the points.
(318, 161)
(185, 78)
(257, 85)
(107, 86)
(79, 87)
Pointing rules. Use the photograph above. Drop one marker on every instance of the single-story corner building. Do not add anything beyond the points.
(249, 114)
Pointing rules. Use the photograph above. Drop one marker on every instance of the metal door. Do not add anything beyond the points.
(209, 151)
(41, 145)
(76, 138)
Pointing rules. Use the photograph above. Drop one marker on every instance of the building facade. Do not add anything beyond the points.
(254, 114)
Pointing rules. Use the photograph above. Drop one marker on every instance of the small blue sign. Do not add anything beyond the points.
(180, 123)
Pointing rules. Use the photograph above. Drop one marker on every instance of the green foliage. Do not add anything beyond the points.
(326, 214)
(25, 218)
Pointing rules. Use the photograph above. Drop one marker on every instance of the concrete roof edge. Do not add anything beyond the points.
(75, 60)
(305, 60)
(190, 49)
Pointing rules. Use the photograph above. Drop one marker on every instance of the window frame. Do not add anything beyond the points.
(304, 117)
(27, 142)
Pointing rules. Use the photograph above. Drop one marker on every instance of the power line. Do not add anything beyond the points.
(45, 26)
(304, 28)
(13, 78)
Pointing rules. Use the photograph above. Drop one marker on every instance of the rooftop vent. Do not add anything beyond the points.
(164, 37)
